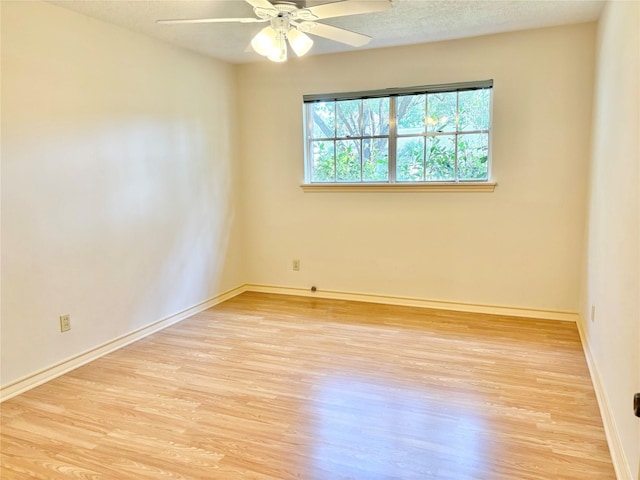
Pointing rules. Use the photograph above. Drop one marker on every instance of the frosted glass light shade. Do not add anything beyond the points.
(279, 52)
(300, 43)
(265, 41)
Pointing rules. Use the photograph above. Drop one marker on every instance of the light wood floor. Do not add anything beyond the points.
(276, 388)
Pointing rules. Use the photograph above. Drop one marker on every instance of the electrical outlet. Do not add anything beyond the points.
(593, 313)
(65, 323)
(296, 265)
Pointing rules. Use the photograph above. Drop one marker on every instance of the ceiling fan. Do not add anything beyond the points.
(289, 22)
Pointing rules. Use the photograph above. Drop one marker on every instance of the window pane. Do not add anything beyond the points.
(323, 119)
(473, 110)
(473, 153)
(410, 114)
(348, 160)
(441, 112)
(348, 118)
(324, 165)
(441, 155)
(375, 160)
(410, 159)
(375, 113)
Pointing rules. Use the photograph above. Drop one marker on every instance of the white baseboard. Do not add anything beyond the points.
(418, 302)
(618, 457)
(38, 378)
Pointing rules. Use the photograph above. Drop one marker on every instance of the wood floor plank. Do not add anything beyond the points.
(272, 387)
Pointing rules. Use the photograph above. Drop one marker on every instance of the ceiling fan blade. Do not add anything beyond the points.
(212, 20)
(348, 7)
(334, 33)
(266, 4)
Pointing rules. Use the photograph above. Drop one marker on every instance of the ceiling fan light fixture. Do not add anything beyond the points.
(265, 41)
(300, 43)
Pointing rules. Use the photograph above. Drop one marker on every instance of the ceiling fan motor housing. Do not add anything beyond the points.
(284, 10)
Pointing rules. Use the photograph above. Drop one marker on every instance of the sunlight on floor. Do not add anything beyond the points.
(366, 426)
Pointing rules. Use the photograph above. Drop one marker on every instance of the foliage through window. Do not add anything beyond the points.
(427, 134)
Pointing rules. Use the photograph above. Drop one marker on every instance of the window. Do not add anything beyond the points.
(399, 136)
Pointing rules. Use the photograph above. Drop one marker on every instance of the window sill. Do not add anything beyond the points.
(400, 187)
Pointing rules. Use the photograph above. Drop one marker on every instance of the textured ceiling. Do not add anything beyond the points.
(408, 22)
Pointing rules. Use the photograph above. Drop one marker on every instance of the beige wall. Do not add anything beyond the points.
(613, 261)
(118, 183)
(519, 246)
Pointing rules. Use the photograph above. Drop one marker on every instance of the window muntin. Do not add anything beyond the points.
(432, 134)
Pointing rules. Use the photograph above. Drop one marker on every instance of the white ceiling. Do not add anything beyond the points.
(408, 22)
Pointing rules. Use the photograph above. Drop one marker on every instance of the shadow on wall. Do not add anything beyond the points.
(191, 234)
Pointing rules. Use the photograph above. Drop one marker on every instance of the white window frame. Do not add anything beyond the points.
(485, 185)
